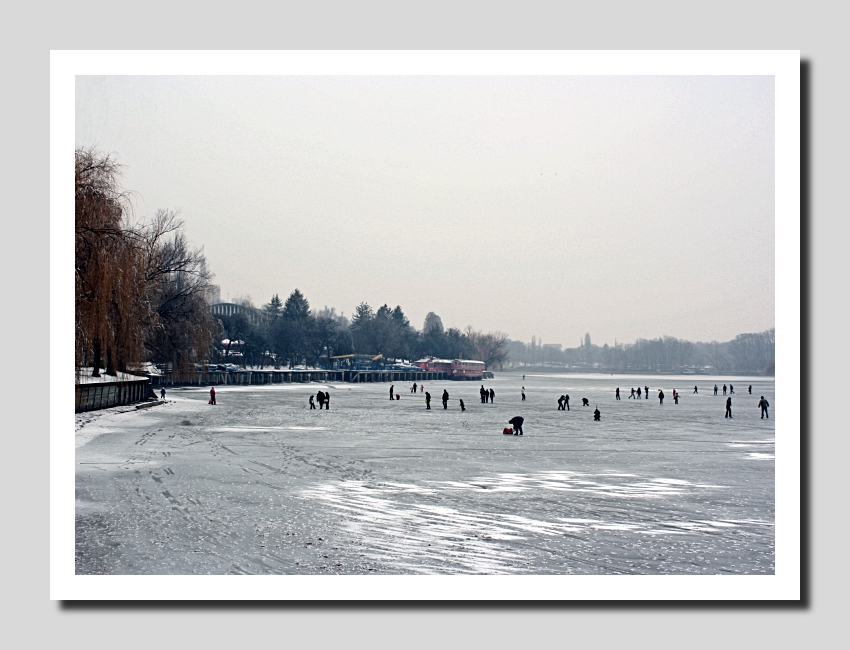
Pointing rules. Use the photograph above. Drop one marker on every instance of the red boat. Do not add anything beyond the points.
(454, 368)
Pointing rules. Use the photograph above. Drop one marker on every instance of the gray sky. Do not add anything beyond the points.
(551, 206)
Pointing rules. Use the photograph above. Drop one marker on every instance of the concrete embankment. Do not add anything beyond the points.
(104, 394)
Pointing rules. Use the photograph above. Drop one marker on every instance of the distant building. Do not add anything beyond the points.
(228, 309)
(213, 294)
(552, 346)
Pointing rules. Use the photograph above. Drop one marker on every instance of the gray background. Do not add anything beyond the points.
(816, 30)
(549, 206)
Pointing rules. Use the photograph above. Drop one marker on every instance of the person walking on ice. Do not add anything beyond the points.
(618, 393)
(660, 397)
(414, 387)
(462, 407)
(724, 389)
(445, 399)
(728, 408)
(646, 392)
(632, 396)
(750, 389)
(675, 397)
(567, 401)
(696, 392)
(492, 396)
(516, 423)
(212, 395)
(731, 389)
(763, 406)
(162, 393)
(597, 416)
(715, 389)
(639, 393)
(392, 390)
(427, 400)
(312, 403)
(523, 393)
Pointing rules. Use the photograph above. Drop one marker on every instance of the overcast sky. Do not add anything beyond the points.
(625, 207)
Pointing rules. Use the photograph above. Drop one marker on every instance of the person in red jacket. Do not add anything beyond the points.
(212, 395)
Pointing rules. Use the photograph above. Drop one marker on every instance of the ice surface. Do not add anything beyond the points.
(260, 483)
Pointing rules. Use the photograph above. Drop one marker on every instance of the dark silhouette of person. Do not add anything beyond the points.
(414, 387)
(327, 401)
(724, 389)
(585, 401)
(763, 406)
(320, 398)
(567, 401)
(639, 393)
(646, 392)
(523, 393)
(162, 393)
(695, 390)
(675, 397)
(516, 423)
(445, 399)
(462, 407)
(422, 388)
(312, 403)
(492, 396)
(728, 408)
(597, 415)
(523, 377)
(731, 389)
(427, 400)
(750, 389)
(212, 395)
(632, 396)
(715, 389)
(483, 393)
(618, 393)
(561, 403)
(392, 390)
(661, 397)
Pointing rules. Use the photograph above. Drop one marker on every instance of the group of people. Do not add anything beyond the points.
(488, 396)
(731, 389)
(638, 395)
(323, 398)
(413, 388)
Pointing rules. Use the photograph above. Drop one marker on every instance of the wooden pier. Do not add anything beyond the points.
(283, 376)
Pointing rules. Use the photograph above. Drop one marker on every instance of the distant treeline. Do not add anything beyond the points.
(751, 353)
(290, 333)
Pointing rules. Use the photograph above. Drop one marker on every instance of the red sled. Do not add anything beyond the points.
(507, 431)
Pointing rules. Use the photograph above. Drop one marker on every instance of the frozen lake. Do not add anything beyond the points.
(261, 484)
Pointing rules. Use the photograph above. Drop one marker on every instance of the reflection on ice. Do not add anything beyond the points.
(425, 537)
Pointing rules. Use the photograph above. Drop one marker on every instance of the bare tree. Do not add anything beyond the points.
(491, 348)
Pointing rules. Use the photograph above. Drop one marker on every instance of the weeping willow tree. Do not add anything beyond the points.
(139, 289)
(109, 287)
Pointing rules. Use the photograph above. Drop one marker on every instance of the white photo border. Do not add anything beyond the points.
(785, 584)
